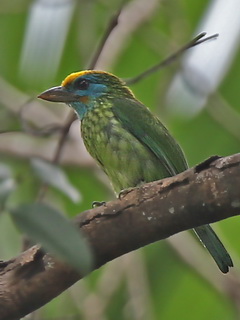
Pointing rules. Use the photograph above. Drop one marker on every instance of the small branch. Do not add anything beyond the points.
(111, 25)
(63, 137)
(173, 57)
(204, 194)
(134, 14)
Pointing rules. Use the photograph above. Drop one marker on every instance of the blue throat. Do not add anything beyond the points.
(80, 109)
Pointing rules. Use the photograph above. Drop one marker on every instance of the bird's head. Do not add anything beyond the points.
(82, 90)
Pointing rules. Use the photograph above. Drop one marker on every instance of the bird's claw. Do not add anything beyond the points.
(96, 204)
(124, 192)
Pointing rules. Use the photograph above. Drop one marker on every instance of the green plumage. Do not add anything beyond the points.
(130, 144)
(123, 147)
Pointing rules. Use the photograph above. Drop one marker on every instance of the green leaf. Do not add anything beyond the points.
(56, 177)
(57, 235)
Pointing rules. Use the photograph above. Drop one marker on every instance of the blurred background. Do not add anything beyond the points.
(197, 97)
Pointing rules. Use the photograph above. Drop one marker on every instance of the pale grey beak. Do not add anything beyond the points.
(58, 94)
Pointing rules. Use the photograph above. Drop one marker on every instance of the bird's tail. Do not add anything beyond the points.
(215, 247)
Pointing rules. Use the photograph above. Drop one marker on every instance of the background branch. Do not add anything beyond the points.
(204, 194)
(172, 58)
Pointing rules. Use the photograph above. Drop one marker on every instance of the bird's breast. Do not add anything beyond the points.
(125, 160)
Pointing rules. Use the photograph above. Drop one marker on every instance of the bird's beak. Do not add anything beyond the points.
(58, 94)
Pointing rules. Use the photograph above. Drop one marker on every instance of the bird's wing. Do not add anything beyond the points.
(148, 129)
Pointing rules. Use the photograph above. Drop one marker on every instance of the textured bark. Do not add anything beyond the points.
(204, 194)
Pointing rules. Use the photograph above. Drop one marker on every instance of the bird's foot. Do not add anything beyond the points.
(96, 204)
(124, 192)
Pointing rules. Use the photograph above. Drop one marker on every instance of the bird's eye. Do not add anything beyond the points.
(81, 84)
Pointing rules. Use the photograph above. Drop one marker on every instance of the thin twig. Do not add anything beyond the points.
(194, 42)
(10, 131)
(63, 137)
(111, 25)
(29, 128)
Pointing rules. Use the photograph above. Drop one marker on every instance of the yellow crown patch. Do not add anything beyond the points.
(71, 77)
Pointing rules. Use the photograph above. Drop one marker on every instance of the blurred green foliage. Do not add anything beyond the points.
(164, 286)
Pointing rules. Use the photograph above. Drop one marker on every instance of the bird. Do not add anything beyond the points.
(127, 140)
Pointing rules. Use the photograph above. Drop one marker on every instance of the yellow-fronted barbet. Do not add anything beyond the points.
(130, 143)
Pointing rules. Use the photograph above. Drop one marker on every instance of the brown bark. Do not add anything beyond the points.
(204, 194)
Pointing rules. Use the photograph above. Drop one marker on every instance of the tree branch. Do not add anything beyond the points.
(204, 194)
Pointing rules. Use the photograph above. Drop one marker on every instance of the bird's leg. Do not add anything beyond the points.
(96, 204)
